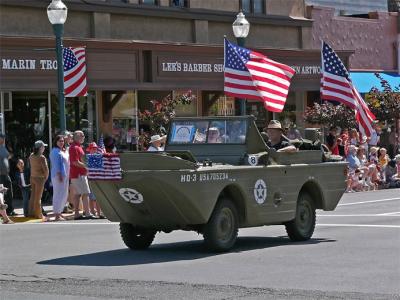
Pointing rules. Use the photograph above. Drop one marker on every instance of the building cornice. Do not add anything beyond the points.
(163, 12)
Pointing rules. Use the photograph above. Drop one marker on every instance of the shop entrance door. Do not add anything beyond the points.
(25, 120)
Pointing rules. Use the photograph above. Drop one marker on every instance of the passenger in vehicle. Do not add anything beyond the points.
(156, 142)
(276, 140)
(214, 136)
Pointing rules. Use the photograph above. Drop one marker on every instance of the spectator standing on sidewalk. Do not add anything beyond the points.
(94, 206)
(374, 138)
(331, 141)
(68, 140)
(59, 159)
(354, 138)
(24, 186)
(39, 175)
(78, 175)
(5, 176)
(393, 138)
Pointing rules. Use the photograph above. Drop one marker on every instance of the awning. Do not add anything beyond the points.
(364, 81)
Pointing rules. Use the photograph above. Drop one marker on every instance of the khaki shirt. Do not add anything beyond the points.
(39, 166)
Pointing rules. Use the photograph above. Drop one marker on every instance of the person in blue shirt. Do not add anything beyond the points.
(59, 160)
(352, 159)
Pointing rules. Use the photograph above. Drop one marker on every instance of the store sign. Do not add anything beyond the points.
(307, 70)
(197, 67)
(191, 67)
(206, 67)
(28, 64)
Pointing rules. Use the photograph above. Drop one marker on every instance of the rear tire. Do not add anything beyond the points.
(301, 228)
(220, 233)
(136, 238)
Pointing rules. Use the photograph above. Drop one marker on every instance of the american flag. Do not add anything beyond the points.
(74, 72)
(252, 75)
(106, 166)
(336, 85)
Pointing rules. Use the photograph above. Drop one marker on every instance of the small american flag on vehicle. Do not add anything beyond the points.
(105, 166)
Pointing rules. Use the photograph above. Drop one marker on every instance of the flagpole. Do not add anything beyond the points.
(225, 105)
(137, 121)
(58, 31)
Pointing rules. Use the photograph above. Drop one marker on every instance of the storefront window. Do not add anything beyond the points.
(80, 115)
(124, 125)
(217, 104)
(26, 120)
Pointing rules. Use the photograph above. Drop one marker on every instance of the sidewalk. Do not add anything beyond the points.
(48, 208)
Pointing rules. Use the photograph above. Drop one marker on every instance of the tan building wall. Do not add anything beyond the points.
(292, 8)
(151, 29)
(27, 21)
(204, 22)
(223, 5)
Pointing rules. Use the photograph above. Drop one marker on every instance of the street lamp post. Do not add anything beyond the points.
(241, 29)
(57, 14)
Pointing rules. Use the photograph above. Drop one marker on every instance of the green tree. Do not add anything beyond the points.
(328, 114)
(161, 114)
(385, 105)
(163, 111)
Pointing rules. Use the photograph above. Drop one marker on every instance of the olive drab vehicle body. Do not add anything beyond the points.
(215, 185)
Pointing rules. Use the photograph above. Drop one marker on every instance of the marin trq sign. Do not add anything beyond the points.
(28, 64)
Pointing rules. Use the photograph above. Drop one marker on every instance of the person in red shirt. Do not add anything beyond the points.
(78, 175)
(331, 141)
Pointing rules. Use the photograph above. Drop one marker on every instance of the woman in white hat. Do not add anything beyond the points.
(156, 142)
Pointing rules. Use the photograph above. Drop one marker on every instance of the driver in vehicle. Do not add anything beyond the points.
(276, 140)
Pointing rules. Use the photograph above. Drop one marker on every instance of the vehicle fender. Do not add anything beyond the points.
(234, 193)
(314, 189)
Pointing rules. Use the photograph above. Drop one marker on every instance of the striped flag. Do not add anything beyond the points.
(336, 85)
(252, 75)
(74, 72)
(106, 166)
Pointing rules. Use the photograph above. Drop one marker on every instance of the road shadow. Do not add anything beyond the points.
(168, 252)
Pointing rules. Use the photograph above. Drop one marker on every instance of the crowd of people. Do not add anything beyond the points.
(370, 167)
(65, 171)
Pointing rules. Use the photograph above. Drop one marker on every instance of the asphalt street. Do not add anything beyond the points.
(354, 254)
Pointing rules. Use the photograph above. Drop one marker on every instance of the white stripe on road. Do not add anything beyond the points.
(60, 223)
(359, 225)
(391, 214)
(363, 215)
(372, 201)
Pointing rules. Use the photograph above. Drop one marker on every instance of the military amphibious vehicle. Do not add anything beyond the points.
(217, 185)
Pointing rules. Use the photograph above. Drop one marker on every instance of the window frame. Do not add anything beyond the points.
(186, 4)
(156, 3)
(252, 8)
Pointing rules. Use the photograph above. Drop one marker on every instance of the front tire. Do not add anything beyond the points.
(301, 228)
(220, 233)
(136, 238)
